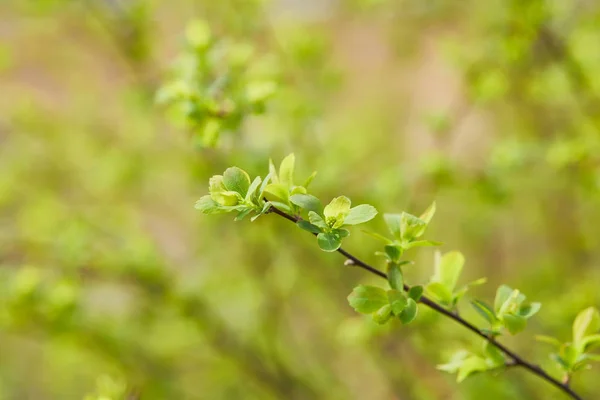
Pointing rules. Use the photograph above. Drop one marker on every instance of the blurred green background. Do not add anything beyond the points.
(112, 284)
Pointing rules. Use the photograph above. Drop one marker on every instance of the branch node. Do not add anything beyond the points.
(349, 263)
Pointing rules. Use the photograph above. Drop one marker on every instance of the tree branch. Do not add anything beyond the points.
(515, 359)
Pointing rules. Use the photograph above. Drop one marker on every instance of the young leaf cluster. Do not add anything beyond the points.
(217, 84)
(576, 355)
(510, 311)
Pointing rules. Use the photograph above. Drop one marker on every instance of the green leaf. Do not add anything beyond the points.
(529, 310)
(514, 323)
(378, 236)
(393, 222)
(591, 341)
(328, 241)
(360, 214)
(428, 214)
(228, 198)
(341, 232)
(394, 252)
(586, 323)
(455, 362)
(415, 292)
(286, 171)
(243, 214)
(307, 226)
(493, 354)
(383, 315)
(549, 340)
(236, 180)
(207, 205)
(395, 277)
(309, 180)
(252, 194)
(397, 300)
(411, 227)
(317, 220)
(277, 191)
(560, 361)
(264, 184)
(502, 295)
(273, 172)
(422, 243)
(484, 310)
(448, 268)
(410, 312)
(367, 299)
(470, 366)
(307, 202)
(440, 292)
(338, 207)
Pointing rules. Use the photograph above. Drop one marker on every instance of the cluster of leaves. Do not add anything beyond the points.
(234, 192)
(575, 355)
(217, 84)
(510, 311)
(447, 270)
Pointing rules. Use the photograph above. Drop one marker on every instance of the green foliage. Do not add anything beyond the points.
(108, 388)
(465, 363)
(510, 311)
(406, 229)
(283, 193)
(234, 192)
(382, 305)
(576, 355)
(217, 84)
(447, 270)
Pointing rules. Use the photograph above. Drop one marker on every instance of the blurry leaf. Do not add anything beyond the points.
(448, 269)
(286, 171)
(328, 242)
(470, 366)
(395, 277)
(377, 236)
(383, 315)
(207, 205)
(415, 292)
(502, 295)
(243, 214)
(493, 354)
(251, 194)
(422, 243)
(394, 252)
(367, 299)
(410, 312)
(411, 227)
(586, 323)
(307, 202)
(484, 310)
(397, 300)
(307, 226)
(514, 323)
(590, 342)
(455, 362)
(237, 180)
(198, 34)
(529, 310)
(360, 214)
(393, 222)
(428, 214)
(278, 191)
(309, 180)
(440, 292)
(561, 361)
(548, 339)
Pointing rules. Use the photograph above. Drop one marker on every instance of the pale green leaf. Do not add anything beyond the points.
(448, 269)
(252, 190)
(383, 315)
(440, 292)
(514, 323)
(422, 243)
(395, 277)
(309, 180)
(378, 236)
(360, 214)
(367, 299)
(590, 342)
(207, 205)
(277, 191)
(307, 202)
(317, 220)
(549, 340)
(393, 222)
(484, 310)
(236, 180)
(428, 214)
(586, 323)
(503, 293)
(529, 310)
(339, 206)
(470, 366)
(411, 227)
(286, 171)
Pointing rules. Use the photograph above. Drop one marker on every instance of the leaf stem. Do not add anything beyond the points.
(515, 359)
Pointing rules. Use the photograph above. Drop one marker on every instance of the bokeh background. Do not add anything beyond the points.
(111, 282)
